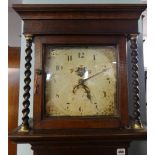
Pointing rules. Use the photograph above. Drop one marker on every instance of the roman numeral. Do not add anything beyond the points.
(81, 54)
(69, 57)
(94, 57)
(59, 67)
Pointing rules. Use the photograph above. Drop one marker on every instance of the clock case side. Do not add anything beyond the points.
(41, 121)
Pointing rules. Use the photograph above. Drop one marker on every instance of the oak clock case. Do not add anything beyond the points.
(81, 78)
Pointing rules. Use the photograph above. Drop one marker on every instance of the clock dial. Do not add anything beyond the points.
(81, 81)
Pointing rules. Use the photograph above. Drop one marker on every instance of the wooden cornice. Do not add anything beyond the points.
(79, 11)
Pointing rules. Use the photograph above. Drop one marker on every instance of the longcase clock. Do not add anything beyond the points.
(81, 78)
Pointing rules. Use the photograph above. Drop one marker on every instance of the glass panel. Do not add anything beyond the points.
(81, 81)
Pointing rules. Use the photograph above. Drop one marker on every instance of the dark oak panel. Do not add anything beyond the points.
(80, 26)
(79, 141)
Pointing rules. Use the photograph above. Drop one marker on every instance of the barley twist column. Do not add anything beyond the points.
(135, 83)
(26, 102)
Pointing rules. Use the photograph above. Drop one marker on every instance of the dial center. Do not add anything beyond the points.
(81, 71)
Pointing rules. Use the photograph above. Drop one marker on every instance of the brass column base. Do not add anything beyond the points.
(24, 128)
(137, 126)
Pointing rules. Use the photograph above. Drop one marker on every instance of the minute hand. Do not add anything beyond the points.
(84, 80)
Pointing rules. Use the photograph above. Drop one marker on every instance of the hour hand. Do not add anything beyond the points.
(81, 83)
(87, 91)
(77, 86)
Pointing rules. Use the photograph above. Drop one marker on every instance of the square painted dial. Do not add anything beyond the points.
(81, 81)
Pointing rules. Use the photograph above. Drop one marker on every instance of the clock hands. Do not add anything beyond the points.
(84, 80)
(84, 87)
(82, 83)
